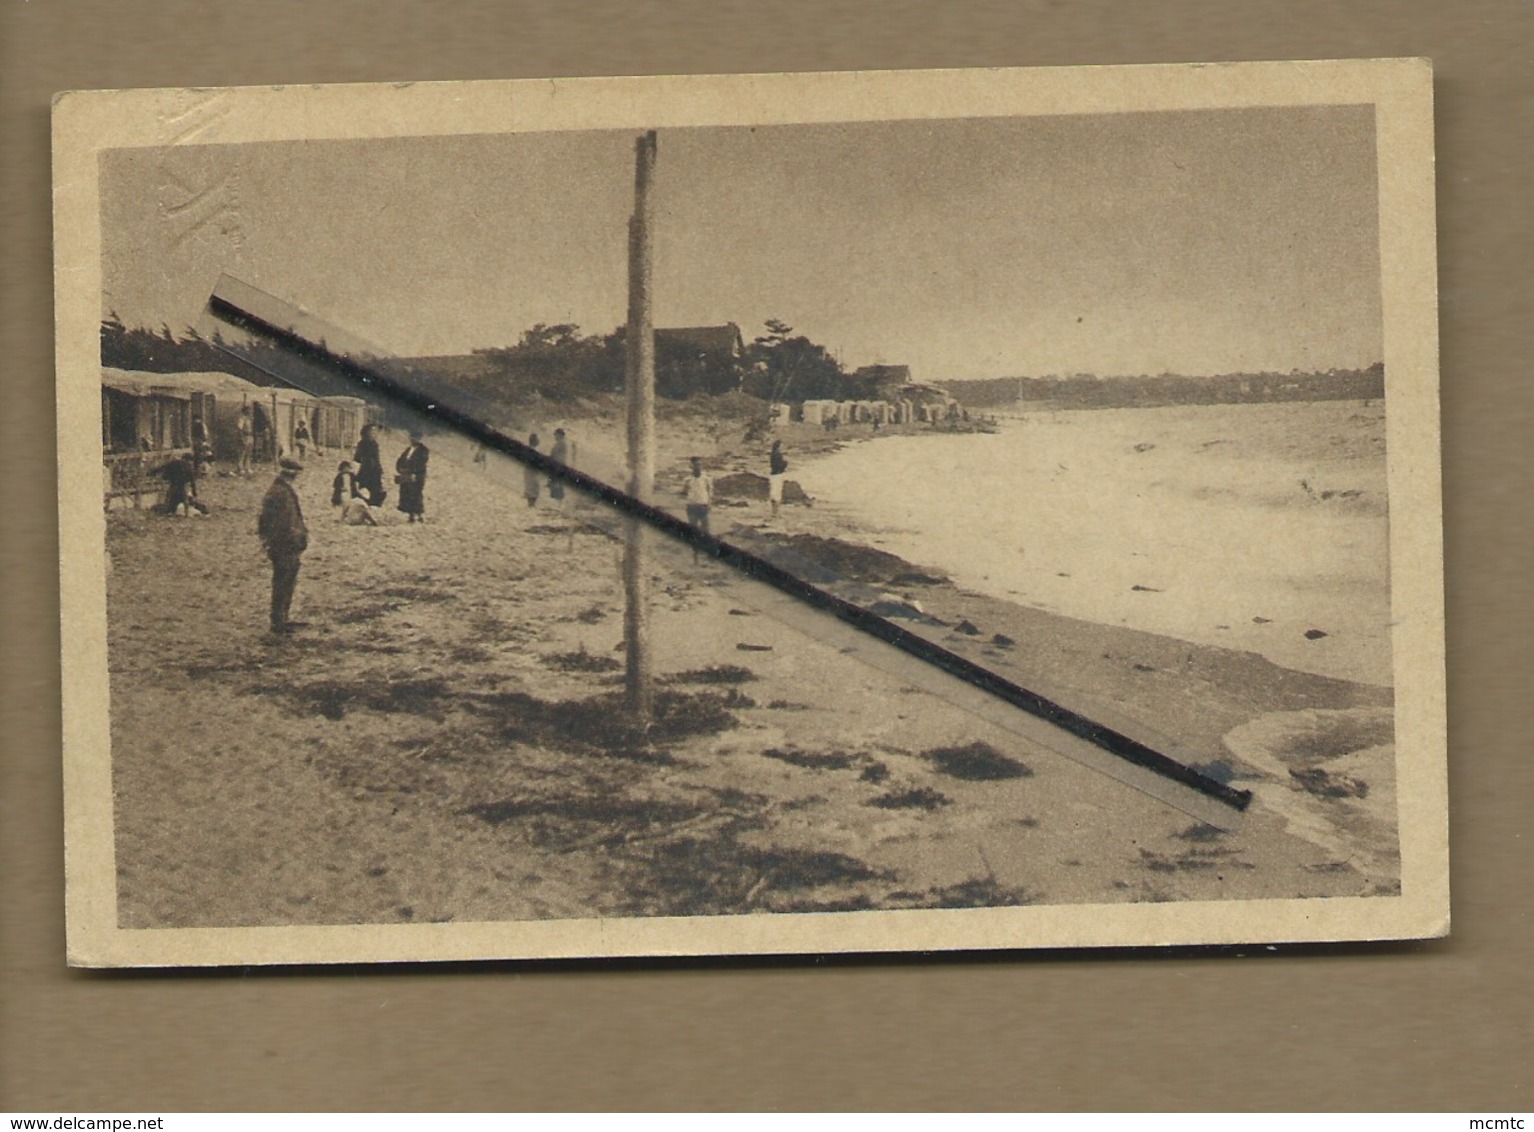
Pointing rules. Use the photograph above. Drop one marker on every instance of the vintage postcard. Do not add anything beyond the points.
(750, 514)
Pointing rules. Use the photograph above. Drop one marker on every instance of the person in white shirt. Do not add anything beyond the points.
(699, 494)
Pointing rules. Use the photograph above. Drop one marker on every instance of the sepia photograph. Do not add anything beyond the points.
(756, 514)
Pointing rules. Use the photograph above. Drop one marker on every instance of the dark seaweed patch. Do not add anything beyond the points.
(713, 674)
(812, 760)
(334, 698)
(602, 725)
(357, 614)
(826, 559)
(707, 876)
(875, 772)
(617, 812)
(571, 529)
(418, 593)
(1330, 867)
(1324, 784)
(976, 762)
(920, 798)
(581, 661)
(1191, 860)
(1199, 831)
(977, 892)
(916, 578)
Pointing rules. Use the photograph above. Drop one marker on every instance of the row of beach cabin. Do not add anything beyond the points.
(148, 418)
(900, 411)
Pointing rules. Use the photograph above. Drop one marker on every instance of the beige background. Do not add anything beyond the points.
(1441, 1025)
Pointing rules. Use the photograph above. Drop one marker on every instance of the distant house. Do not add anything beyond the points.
(880, 376)
(693, 359)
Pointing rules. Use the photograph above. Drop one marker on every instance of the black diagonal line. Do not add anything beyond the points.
(436, 406)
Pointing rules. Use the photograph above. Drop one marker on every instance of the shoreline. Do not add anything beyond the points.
(1164, 521)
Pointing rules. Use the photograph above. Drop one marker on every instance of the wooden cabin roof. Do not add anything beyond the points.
(183, 385)
(142, 384)
(724, 339)
(881, 373)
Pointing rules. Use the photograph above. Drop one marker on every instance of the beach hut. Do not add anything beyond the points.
(334, 423)
(220, 397)
(155, 413)
(275, 413)
(142, 413)
(144, 422)
(337, 422)
(148, 418)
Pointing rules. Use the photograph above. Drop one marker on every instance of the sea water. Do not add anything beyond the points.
(1254, 527)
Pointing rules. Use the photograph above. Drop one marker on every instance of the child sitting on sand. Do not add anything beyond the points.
(344, 486)
(345, 494)
(355, 512)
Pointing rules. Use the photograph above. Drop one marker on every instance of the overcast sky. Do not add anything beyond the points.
(1189, 242)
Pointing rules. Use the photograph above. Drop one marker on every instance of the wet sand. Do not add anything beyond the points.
(439, 743)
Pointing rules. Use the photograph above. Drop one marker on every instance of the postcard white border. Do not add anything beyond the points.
(87, 122)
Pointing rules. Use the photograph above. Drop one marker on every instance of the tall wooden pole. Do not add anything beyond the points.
(639, 385)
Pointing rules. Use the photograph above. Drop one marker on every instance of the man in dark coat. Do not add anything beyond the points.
(285, 538)
(410, 474)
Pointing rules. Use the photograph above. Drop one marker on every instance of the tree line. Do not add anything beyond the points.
(151, 351)
(1089, 391)
(556, 362)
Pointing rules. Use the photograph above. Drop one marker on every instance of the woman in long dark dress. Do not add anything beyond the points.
(410, 474)
(370, 467)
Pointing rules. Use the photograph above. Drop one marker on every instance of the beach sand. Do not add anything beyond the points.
(440, 743)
